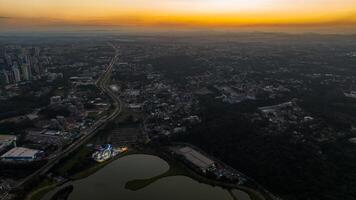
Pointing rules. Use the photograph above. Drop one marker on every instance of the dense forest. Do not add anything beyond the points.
(294, 170)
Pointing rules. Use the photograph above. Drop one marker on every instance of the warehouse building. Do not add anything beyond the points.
(196, 158)
(21, 154)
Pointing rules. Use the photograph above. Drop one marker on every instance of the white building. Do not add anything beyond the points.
(20, 154)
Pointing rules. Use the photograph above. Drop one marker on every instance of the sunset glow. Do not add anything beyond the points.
(177, 13)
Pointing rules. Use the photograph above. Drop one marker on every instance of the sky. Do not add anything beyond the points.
(333, 15)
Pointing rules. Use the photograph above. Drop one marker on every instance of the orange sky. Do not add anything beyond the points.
(177, 13)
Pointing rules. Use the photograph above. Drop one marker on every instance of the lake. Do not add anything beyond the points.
(109, 183)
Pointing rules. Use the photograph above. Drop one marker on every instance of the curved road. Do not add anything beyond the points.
(102, 84)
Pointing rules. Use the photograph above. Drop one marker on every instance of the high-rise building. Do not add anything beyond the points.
(37, 51)
(9, 76)
(2, 64)
(16, 72)
(35, 66)
(25, 72)
(2, 52)
(4, 78)
(8, 59)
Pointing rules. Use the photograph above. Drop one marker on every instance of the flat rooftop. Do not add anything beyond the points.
(196, 157)
(7, 138)
(20, 152)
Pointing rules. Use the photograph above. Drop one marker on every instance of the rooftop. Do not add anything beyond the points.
(196, 158)
(7, 138)
(20, 152)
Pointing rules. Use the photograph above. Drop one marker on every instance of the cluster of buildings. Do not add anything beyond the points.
(10, 152)
(254, 75)
(66, 108)
(54, 103)
(231, 95)
(36, 144)
(285, 116)
(64, 119)
(23, 64)
(279, 113)
(351, 94)
(167, 97)
(51, 128)
(167, 108)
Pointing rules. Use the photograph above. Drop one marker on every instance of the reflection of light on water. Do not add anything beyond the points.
(114, 88)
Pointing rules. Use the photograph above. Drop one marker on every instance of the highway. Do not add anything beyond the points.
(102, 84)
